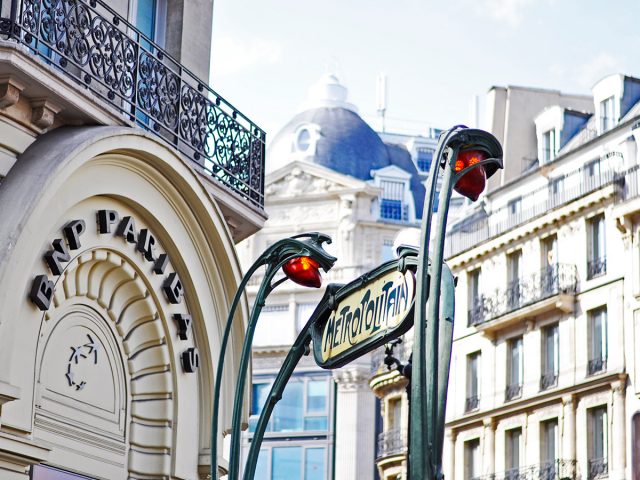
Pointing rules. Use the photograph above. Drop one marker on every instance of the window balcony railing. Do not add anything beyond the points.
(391, 442)
(550, 281)
(474, 231)
(598, 468)
(513, 391)
(89, 42)
(596, 267)
(596, 365)
(472, 403)
(552, 470)
(548, 380)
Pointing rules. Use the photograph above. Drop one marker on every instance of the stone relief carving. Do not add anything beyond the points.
(298, 182)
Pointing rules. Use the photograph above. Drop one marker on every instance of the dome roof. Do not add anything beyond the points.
(330, 133)
(337, 139)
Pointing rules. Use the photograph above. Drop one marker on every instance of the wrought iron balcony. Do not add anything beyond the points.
(555, 470)
(596, 267)
(513, 391)
(598, 468)
(472, 403)
(594, 176)
(391, 442)
(548, 380)
(553, 280)
(596, 365)
(92, 44)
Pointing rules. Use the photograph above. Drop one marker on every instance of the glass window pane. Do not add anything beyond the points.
(262, 466)
(259, 397)
(303, 313)
(315, 423)
(314, 462)
(146, 18)
(274, 327)
(288, 414)
(317, 396)
(286, 463)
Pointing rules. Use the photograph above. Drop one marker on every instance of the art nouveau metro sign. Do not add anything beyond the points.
(366, 313)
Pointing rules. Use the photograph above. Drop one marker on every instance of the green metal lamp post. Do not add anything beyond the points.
(300, 257)
(465, 159)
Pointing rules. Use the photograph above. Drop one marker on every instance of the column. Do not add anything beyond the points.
(355, 424)
(569, 428)
(617, 442)
(449, 454)
(489, 460)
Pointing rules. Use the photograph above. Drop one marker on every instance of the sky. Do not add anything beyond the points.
(436, 54)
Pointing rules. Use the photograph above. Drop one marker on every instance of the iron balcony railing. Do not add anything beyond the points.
(559, 191)
(598, 468)
(513, 391)
(550, 281)
(91, 43)
(548, 380)
(391, 442)
(596, 267)
(596, 365)
(553, 470)
(394, 210)
(472, 403)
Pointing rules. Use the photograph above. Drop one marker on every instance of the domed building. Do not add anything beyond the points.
(329, 171)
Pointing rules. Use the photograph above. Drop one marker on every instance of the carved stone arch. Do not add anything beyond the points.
(69, 174)
(109, 288)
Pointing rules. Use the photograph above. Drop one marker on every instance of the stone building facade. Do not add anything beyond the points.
(125, 183)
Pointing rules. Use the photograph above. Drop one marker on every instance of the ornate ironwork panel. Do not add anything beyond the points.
(391, 442)
(472, 403)
(548, 380)
(550, 281)
(598, 468)
(596, 365)
(89, 42)
(554, 470)
(596, 267)
(513, 391)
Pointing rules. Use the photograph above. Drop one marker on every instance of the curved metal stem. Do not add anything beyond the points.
(223, 348)
(275, 394)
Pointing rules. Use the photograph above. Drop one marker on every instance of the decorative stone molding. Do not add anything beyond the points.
(10, 90)
(43, 112)
(351, 379)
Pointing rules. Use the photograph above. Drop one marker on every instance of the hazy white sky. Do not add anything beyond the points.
(436, 53)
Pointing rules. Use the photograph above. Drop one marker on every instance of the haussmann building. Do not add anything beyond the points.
(125, 184)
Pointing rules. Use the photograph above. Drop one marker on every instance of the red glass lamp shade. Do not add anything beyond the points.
(304, 271)
(472, 183)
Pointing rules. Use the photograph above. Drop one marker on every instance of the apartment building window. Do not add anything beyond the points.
(513, 453)
(549, 261)
(425, 157)
(592, 175)
(394, 413)
(556, 192)
(514, 283)
(598, 445)
(515, 209)
(391, 204)
(275, 326)
(597, 341)
(290, 462)
(473, 382)
(548, 448)
(304, 406)
(472, 459)
(607, 120)
(514, 368)
(388, 252)
(597, 256)
(474, 301)
(549, 150)
(550, 354)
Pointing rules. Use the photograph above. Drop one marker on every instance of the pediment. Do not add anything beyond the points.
(303, 179)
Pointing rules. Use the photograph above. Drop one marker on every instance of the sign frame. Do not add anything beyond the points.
(335, 293)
